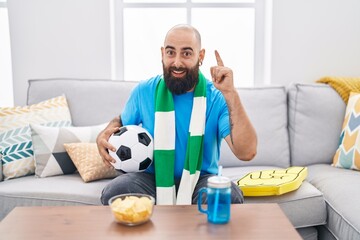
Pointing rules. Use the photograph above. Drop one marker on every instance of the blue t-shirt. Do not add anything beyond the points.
(140, 109)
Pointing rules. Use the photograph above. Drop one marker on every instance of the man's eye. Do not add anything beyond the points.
(187, 54)
(170, 52)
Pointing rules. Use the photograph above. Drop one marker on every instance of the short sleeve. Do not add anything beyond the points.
(130, 114)
(224, 120)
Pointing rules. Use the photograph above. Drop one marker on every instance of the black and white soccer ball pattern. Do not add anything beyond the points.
(134, 149)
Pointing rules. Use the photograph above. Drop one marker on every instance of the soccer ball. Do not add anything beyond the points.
(134, 149)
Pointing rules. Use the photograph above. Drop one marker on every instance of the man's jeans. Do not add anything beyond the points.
(142, 182)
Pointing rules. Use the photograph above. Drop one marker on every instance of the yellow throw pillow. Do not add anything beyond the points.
(348, 153)
(272, 182)
(343, 85)
(88, 162)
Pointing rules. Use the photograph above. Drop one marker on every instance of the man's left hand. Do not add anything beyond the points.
(222, 76)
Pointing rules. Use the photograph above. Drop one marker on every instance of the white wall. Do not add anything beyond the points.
(315, 38)
(6, 87)
(52, 38)
(67, 38)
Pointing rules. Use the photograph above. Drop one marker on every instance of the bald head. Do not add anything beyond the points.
(177, 29)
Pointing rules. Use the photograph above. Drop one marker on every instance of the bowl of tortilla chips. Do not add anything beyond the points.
(132, 209)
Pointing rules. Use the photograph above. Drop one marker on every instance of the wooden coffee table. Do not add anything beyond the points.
(248, 221)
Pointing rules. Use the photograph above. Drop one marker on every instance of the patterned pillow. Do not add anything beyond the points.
(348, 153)
(87, 160)
(1, 174)
(15, 134)
(51, 158)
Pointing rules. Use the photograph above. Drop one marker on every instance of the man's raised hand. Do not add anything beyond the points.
(222, 76)
(218, 59)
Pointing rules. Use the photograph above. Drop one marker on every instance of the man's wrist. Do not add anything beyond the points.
(116, 122)
(230, 93)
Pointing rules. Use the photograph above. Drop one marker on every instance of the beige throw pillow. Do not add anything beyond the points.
(88, 162)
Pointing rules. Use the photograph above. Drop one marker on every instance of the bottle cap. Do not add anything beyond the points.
(218, 182)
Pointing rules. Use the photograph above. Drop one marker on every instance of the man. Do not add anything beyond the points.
(188, 116)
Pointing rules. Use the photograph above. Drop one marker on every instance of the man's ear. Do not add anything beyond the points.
(162, 53)
(201, 55)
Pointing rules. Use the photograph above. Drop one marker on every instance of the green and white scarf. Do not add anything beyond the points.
(164, 145)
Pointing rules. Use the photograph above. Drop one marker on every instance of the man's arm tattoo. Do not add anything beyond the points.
(231, 125)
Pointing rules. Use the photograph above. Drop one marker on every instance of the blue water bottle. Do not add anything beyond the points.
(218, 193)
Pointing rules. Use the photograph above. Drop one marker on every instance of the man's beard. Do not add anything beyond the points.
(184, 84)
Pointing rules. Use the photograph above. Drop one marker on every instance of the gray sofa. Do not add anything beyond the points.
(296, 126)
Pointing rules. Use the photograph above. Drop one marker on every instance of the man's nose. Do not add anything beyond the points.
(177, 61)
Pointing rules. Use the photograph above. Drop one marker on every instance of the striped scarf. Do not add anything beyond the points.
(164, 145)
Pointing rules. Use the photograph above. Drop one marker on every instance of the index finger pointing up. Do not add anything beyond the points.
(218, 59)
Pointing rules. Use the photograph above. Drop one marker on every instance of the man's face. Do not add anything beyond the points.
(180, 57)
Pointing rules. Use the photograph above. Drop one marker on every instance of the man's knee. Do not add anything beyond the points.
(236, 194)
(129, 183)
(105, 197)
(119, 185)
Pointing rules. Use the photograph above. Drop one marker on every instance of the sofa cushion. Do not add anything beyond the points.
(90, 101)
(267, 110)
(304, 207)
(348, 153)
(50, 155)
(316, 113)
(88, 161)
(342, 195)
(15, 134)
(62, 190)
